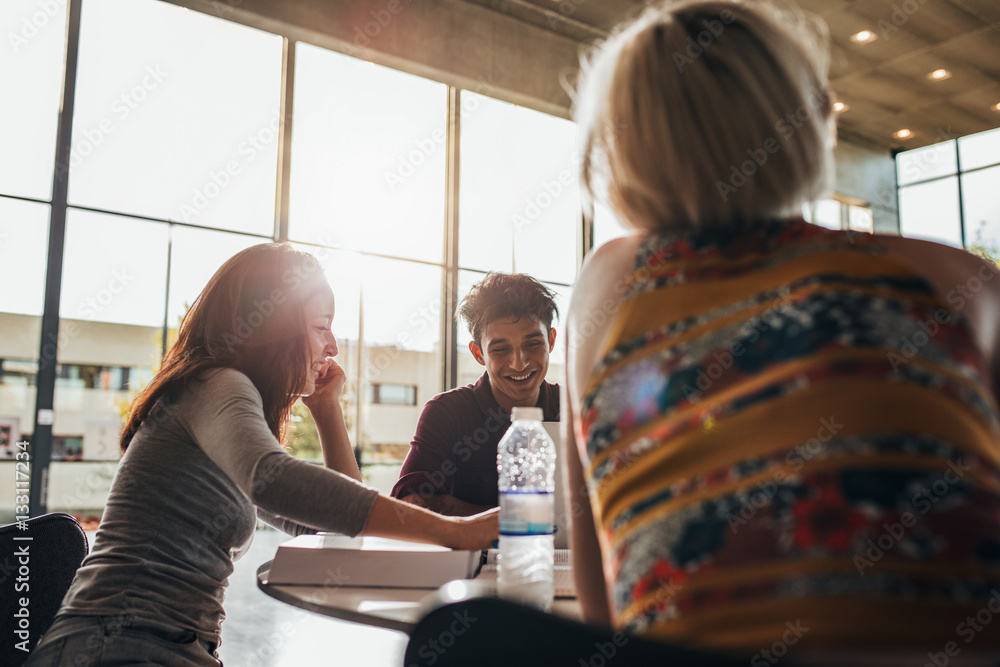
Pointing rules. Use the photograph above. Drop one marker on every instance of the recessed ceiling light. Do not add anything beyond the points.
(996, 107)
(840, 107)
(939, 75)
(864, 37)
(903, 134)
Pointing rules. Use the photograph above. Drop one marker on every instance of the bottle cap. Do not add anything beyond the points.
(526, 413)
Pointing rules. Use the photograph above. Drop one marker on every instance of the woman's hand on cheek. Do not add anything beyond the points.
(329, 384)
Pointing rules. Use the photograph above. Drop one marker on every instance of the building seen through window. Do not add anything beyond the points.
(173, 169)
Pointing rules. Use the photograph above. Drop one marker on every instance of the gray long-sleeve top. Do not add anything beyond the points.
(181, 508)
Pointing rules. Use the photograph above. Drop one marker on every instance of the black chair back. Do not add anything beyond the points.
(38, 559)
(490, 632)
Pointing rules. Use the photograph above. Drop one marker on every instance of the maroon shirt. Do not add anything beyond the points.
(454, 450)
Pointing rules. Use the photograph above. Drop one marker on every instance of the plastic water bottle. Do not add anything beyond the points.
(526, 461)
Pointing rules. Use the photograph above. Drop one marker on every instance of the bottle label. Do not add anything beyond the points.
(526, 513)
(524, 528)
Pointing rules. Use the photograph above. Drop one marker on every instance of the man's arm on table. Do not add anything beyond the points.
(431, 464)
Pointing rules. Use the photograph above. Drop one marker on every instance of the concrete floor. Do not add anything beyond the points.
(259, 631)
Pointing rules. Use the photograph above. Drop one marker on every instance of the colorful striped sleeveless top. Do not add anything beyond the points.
(789, 430)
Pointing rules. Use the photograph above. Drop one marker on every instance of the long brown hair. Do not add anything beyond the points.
(250, 318)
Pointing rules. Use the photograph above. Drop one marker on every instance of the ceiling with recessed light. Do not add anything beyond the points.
(930, 67)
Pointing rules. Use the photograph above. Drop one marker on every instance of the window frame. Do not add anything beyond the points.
(42, 435)
(959, 174)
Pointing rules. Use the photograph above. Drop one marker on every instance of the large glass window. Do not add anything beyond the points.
(23, 237)
(368, 177)
(606, 225)
(932, 180)
(979, 150)
(368, 157)
(519, 209)
(981, 208)
(520, 197)
(930, 211)
(195, 256)
(173, 169)
(188, 134)
(925, 163)
(114, 270)
(31, 64)
(402, 345)
(111, 326)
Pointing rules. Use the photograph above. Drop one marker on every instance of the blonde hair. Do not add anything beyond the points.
(702, 113)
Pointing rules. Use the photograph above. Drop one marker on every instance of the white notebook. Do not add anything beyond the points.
(325, 559)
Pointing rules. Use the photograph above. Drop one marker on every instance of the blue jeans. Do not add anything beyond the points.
(104, 641)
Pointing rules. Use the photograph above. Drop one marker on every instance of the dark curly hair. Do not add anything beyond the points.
(502, 295)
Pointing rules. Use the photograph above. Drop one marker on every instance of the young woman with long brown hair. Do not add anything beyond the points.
(202, 459)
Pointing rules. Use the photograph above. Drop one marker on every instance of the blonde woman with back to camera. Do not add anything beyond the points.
(783, 440)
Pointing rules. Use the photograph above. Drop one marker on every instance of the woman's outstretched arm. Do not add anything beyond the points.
(402, 521)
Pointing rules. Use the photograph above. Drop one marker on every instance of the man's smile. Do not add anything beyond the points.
(522, 378)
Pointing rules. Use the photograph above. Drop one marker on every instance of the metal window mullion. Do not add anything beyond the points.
(48, 349)
(166, 299)
(285, 139)
(961, 201)
(449, 288)
(362, 379)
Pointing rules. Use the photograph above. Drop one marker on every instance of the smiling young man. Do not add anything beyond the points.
(452, 464)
